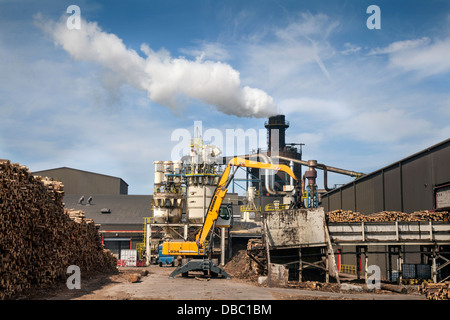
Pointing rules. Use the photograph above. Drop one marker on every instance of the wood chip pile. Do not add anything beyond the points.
(386, 216)
(39, 239)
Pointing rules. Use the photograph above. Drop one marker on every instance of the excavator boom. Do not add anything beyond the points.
(198, 248)
(221, 191)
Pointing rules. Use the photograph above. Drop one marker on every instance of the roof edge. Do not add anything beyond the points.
(100, 174)
(419, 153)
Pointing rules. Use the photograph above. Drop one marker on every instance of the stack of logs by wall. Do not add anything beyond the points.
(436, 291)
(39, 239)
(386, 216)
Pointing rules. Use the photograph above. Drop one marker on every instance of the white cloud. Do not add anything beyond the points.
(391, 126)
(350, 48)
(318, 107)
(55, 113)
(426, 60)
(168, 81)
(423, 56)
(339, 120)
(401, 46)
(365, 101)
(307, 26)
(282, 53)
(313, 141)
(207, 50)
(368, 113)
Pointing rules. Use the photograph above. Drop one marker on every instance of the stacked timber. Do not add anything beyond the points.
(436, 291)
(39, 239)
(256, 251)
(386, 216)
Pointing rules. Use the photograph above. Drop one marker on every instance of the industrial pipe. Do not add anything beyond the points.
(332, 169)
(323, 167)
(325, 175)
(291, 180)
(266, 160)
(303, 184)
(269, 188)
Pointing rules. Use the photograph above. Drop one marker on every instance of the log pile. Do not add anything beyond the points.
(257, 253)
(39, 239)
(436, 291)
(386, 216)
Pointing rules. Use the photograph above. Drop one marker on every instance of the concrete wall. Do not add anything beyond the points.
(296, 228)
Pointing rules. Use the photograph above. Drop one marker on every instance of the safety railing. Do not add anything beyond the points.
(252, 208)
(347, 268)
(141, 246)
(276, 207)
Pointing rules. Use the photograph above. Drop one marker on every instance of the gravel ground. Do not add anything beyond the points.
(156, 285)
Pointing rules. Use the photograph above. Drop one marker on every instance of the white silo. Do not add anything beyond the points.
(158, 174)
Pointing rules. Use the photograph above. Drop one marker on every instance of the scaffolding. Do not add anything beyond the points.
(140, 246)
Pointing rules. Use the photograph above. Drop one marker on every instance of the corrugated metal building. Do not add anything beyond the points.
(407, 185)
(418, 182)
(84, 182)
(121, 216)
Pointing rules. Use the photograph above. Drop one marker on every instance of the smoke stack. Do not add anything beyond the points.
(276, 132)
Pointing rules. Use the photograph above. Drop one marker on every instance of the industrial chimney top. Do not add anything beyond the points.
(276, 127)
(277, 122)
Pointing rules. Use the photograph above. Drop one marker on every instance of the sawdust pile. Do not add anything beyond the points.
(239, 267)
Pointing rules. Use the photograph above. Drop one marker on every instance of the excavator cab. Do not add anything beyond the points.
(224, 220)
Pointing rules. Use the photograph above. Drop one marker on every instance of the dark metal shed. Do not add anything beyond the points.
(84, 182)
(407, 185)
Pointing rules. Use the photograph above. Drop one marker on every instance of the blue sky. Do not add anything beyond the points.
(102, 101)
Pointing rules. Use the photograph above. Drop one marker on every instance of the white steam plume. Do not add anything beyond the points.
(165, 79)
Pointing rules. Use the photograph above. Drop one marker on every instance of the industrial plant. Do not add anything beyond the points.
(184, 189)
(292, 231)
(233, 152)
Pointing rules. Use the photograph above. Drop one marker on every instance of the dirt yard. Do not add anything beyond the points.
(156, 285)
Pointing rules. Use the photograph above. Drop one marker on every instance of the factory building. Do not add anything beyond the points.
(418, 182)
(121, 218)
(105, 199)
(85, 182)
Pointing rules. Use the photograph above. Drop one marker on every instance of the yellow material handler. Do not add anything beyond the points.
(198, 248)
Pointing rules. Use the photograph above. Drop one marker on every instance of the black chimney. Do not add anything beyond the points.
(276, 131)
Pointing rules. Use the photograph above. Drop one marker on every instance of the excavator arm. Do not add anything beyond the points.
(221, 191)
(198, 247)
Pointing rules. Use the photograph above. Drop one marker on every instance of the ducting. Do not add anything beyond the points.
(323, 167)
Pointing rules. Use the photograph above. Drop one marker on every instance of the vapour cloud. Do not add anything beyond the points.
(167, 80)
